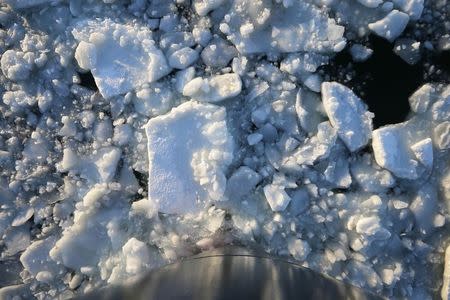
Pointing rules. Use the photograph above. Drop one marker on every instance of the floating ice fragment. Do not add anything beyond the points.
(265, 26)
(391, 26)
(14, 65)
(441, 135)
(299, 249)
(360, 53)
(242, 182)
(154, 99)
(214, 89)
(277, 197)
(120, 57)
(423, 151)
(445, 291)
(183, 58)
(137, 256)
(203, 7)
(370, 3)
(348, 114)
(421, 99)
(189, 149)
(318, 147)
(408, 50)
(413, 8)
(19, 4)
(391, 151)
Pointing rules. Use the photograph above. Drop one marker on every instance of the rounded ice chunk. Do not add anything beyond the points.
(183, 58)
(189, 150)
(214, 89)
(86, 55)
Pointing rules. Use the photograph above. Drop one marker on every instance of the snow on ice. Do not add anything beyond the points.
(136, 134)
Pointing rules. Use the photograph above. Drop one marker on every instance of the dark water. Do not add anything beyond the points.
(87, 80)
(385, 81)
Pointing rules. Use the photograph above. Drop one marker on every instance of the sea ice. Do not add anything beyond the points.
(420, 100)
(264, 26)
(423, 151)
(242, 182)
(391, 26)
(120, 57)
(213, 89)
(277, 197)
(370, 3)
(360, 53)
(189, 150)
(445, 291)
(391, 150)
(348, 114)
(203, 7)
(183, 58)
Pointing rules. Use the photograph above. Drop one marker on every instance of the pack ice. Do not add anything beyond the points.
(189, 150)
(120, 57)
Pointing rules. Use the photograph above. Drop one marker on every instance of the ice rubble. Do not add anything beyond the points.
(204, 102)
(189, 150)
(121, 57)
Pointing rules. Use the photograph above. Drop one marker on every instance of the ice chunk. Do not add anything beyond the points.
(120, 57)
(338, 172)
(86, 55)
(137, 256)
(421, 99)
(242, 182)
(22, 217)
(264, 26)
(440, 110)
(391, 26)
(254, 138)
(391, 150)
(85, 242)
(424, 207)
(183, 58)
(445, 291)
(299, 201)
(318, 147)
(371, 228)
(14, 65)
(203, 7)
(19, 4)
(370, 3)
(299, 249)
(441, 135)
(213, 89)
(371, 178)
(154, 99)
(308, 107)
(101, 166)
(16, 239)
(218, 53)
(413, 8)
(408, 50)
(277, 197)
(183, 77)
(348, 114)
(360, 53)
(423, 151)
(189, 149)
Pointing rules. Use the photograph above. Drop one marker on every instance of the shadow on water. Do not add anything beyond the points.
(87, 80)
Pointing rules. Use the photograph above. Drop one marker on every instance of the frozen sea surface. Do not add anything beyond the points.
(136, 133)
